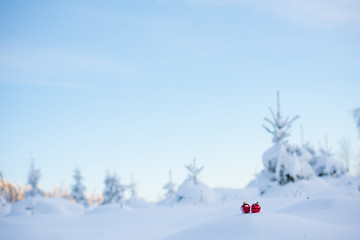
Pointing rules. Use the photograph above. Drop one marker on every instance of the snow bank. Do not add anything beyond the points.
(329, 216)
(315, 186)
(319, 218)
(270, 226)
(40, 205)
(4, 206)
(108, 208)
(137, 202)
(336, 210)
(199, 193)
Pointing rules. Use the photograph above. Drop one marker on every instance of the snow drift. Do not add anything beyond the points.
(40, 205)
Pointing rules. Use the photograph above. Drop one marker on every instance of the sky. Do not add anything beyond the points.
(141, 87)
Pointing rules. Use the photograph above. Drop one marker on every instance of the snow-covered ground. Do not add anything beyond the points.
(317, 209)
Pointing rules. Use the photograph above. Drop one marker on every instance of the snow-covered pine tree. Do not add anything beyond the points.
(132, 188)
(194, 171)
(78, 189)
(323, 163)
(114, 191)
(135, 201)
(192, 190)
(33, 179)
(283, 162)
(170, 188)
(327, 165)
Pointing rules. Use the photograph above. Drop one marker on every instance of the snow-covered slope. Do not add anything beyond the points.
(329, 209)
(319, 218)
(40, 205)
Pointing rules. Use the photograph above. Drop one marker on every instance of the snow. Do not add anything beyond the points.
(267, 225)
(283, 165)
(322, 208)
(198, 193)
(40, 205)
(137, 202)
(4, 206)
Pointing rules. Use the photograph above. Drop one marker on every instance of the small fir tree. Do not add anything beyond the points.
(170, 188)
(33, 180)
(194, 171)
(192, 190)
(132, 188)
(134, 200)
(78, 189)
(324, 164)
(283, 162)
(114, 191)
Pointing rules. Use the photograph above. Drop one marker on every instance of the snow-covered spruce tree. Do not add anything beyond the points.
(135, 201)
(114, 191)
(170, 188)
(132, 188)
(323, 163)
(78, 189)
(33, 179)
(283, 162)
(326, 165)
(170, 195)
(194, 191)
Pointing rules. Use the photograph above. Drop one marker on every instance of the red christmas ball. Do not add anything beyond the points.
(255, 208)
(245, 208)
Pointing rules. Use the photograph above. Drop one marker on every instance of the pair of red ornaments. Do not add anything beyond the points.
(255, 208)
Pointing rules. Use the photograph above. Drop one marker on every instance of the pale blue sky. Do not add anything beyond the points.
(140, 87)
